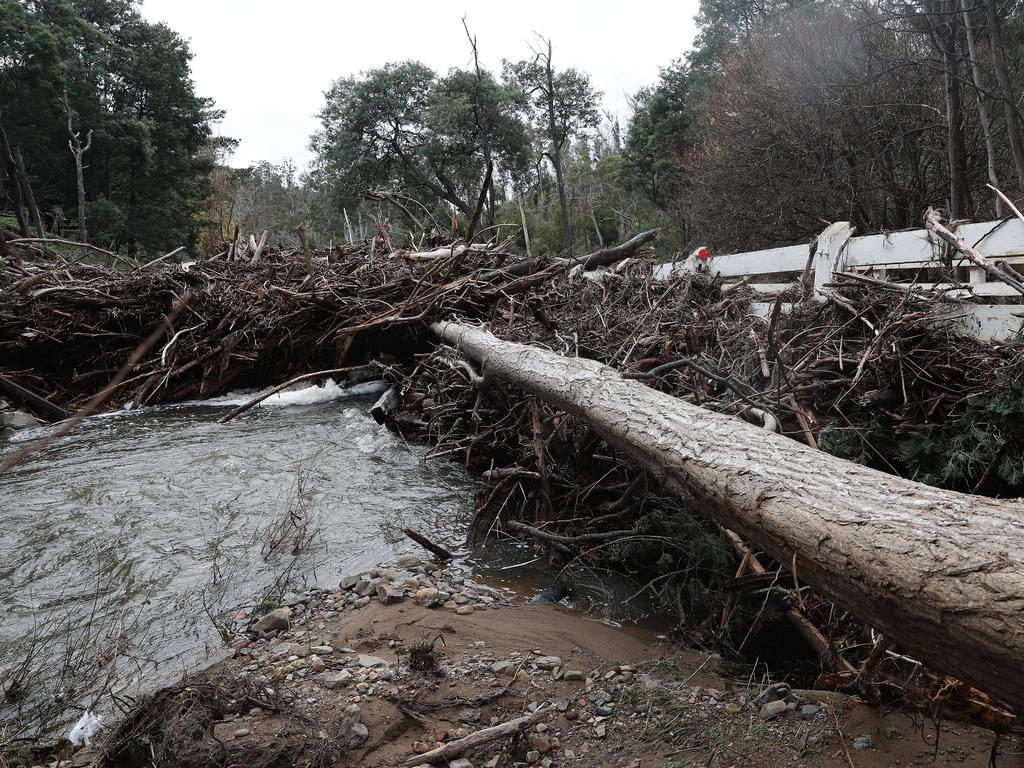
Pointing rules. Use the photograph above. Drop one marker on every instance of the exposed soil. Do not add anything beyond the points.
(612, 696)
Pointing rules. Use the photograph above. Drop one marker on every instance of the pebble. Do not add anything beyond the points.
(892, 732)
(277, 620)
(733, 708)
(427, 596)
(773, 709)
(242, 732)
(600, 731)
(389, 593)
(464, 610)
(808, 711)
(573, 674)
(862, 742)
(351, 731)
(365, 660)
(548, 662)
(336, 680)
(462, 762)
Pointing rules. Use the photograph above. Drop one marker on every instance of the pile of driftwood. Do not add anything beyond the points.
(245, 319)
(868, 374)
(610, 469)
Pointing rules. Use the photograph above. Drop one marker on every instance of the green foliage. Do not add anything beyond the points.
(660, 131)
(128, 82)
(106, 220)
(404, 128)
(958, 454)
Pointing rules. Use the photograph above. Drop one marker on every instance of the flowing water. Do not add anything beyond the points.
(123, 541)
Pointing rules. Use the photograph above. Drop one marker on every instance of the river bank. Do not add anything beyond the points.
(398, 663)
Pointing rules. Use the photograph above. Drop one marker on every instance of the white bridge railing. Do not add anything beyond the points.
(900, 257)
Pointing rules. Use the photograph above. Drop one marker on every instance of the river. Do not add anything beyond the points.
(123, 541)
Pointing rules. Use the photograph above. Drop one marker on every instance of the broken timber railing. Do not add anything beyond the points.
(899, 257)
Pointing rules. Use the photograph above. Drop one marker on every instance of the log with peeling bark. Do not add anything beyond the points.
(939, 572)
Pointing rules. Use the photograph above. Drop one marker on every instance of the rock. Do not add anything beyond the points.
(464, 610)
(573, 674)
(733, 708)
(322, 650)
(604, 711)
(533, 757)
(389, 593)
(547, 662)
(462, 762)
(366, 587)
(351, 732)
(822, 697)
(892, 732)
(348, 582)
(316, 663)
(408, 561)
(808, 711)
(500, 667)
(18, 420)
(468, 714)
(773, 693)
(862, 742)
(600, 730)
(278, 620)
(290, 600)
(242, 732)
(427, 596)
(773, 709)
(361, 602)
(539, 742)
(419, 747)
(368, 661)
(336, 680)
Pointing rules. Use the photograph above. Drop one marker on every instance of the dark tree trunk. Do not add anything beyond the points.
(557, 143)
(944, 28)
(26, 186)
(995, 37)
(12, 174)
(983, 114)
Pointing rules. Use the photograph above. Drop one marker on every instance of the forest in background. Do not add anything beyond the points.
(785, 115)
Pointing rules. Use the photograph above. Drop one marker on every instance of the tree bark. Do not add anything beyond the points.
(12, 174)
(944, 30)
(77, 150)
(995, 44)
(940, 572)
(557, 142)
(983, 114)
(26, 186)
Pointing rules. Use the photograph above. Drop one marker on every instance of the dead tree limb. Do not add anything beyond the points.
(940, 572)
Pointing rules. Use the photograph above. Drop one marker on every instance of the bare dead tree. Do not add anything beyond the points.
(480, 118)
(77, 150)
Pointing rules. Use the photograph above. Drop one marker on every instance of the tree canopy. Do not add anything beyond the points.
(128, 82)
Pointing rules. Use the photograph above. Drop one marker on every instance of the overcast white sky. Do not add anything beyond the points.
(269, 63)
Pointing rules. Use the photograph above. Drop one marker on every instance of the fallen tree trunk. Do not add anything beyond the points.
(939, 572)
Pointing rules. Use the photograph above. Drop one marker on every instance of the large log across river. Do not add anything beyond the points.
(939, 572)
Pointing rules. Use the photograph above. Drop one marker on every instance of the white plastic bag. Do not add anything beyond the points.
(84, 729)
